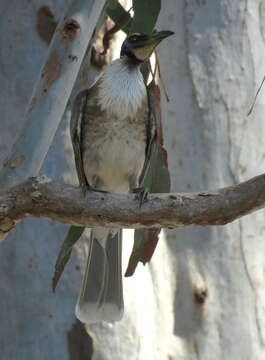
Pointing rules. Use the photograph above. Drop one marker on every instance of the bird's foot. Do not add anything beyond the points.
(87, 188)
(141, 195)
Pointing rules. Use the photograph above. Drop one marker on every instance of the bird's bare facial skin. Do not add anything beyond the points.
(139, 47)
(144, 53)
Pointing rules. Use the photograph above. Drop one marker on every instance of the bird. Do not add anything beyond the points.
(112, 137)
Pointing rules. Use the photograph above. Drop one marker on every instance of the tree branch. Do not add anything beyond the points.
(40, 197)
(52, 90)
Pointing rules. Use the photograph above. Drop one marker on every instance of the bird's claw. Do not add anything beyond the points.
(87, 188)
(141, 195)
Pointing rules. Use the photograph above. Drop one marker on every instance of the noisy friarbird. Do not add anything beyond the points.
(112, 136)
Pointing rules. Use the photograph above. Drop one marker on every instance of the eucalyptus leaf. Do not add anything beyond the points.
(145, 241)
(120, 16)
(73, 235)
(156, 180)
(112, 4)
(145, 15)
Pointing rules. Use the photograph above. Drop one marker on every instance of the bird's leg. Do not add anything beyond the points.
(141, 195)
(85, 187)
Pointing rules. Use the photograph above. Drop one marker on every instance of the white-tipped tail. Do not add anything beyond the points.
(101, 295)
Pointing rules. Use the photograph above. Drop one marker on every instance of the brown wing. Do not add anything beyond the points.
(75, 131)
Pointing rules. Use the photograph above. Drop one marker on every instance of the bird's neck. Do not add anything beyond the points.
(122, 89)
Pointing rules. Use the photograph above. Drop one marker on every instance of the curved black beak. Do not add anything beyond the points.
(158, 36)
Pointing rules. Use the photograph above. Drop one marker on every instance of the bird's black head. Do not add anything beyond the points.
(139, 47)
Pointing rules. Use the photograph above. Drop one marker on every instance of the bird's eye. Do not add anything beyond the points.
(133, 38)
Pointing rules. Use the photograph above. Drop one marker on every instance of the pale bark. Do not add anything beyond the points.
(212, 69)
(35, 323)
(202, 296)
(52, 90)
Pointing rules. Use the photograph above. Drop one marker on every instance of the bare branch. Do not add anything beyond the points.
(52, 90)
(43, 198)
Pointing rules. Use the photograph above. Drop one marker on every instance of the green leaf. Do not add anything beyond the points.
(145, 15)
(156, 180)
(157, 177)
(73, 235)
(145, 241)
(119, 15)
(112, 4)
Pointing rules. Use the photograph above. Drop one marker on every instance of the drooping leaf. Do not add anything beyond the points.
(122, 21)
(156, 180)
(145, 241)
(73, 235)
(145, 15)
(119, 15)
(112, 4)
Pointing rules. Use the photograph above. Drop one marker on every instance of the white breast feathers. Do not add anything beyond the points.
(121, 89)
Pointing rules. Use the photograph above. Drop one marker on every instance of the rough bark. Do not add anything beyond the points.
(42, 198)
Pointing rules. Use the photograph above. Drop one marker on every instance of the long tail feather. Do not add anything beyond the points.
(101, 296)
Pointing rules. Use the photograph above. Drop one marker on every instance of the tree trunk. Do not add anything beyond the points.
(35, 323)
(212, 69)
(202, 295)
